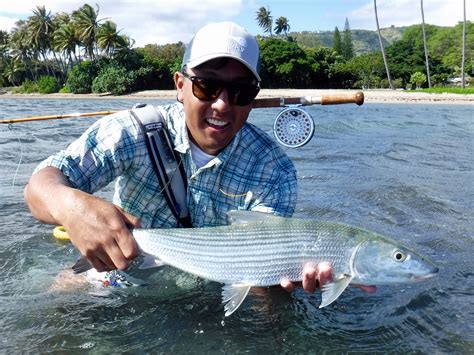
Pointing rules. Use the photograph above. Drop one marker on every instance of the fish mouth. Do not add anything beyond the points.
(425, 276)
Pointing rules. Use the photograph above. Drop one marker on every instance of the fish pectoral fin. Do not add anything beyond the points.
(233, 296)
(150, 262)
(332, 290)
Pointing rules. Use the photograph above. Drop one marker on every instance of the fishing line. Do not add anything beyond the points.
(10, 127)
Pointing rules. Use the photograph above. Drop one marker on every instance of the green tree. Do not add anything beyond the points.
(285, 64)
(81, 77)
(337, 41)
(418, 79)
(347, 45)
(265, 20)
(282, 25)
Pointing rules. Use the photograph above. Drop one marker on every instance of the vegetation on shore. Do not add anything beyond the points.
(80, 53)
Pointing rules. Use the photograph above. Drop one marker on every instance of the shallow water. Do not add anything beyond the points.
(402, 170)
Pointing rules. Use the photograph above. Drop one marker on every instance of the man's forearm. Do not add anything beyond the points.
(46, 194)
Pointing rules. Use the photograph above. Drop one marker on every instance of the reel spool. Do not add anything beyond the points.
(293, 127)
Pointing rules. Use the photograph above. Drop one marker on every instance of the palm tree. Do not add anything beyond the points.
(381, 46)
(265, 20)
(87, 24)
(4, 39)
(424, 43)
(282, 25)
(108, 38)
(21, 50)
(66, 42)
(40, 27)
(124, 48)
(463, 80)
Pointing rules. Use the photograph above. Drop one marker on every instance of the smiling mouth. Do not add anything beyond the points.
(218, 124)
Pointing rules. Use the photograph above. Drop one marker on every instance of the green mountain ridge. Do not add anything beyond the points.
(364, 41)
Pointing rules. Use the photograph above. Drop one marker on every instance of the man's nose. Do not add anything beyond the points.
(223, 101)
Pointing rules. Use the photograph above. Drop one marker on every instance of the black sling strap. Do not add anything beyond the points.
(166, 162)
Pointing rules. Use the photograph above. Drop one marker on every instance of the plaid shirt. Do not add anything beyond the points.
(251, 173)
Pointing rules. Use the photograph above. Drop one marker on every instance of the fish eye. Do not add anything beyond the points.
(398, 255)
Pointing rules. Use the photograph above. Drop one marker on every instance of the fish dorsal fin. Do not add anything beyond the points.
(233, 296)
(332, 290)
(245, 217)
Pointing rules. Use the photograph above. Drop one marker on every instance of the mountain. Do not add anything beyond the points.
(364, 40)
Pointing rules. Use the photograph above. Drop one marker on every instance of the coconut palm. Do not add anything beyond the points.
(40, 27)
(463, 60)
(23, 55)
(282, 25)
(265, 20)
(424, 43)
(66, 42)
(14, 72)
(381, 46)
(87, 24)
(4, 39)
(108, 38)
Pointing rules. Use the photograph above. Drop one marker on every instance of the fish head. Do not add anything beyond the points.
(380, 261)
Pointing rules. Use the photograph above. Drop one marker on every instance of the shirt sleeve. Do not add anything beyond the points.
(99, 155)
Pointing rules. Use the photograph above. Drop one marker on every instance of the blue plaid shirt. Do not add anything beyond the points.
(251, 173)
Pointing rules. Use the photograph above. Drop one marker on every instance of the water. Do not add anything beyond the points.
(402, 170)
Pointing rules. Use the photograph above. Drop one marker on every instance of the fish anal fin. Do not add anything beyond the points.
(233, 296)
(332, 290)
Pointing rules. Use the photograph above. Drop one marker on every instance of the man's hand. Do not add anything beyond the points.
(99, 230)
(96, 227)
(315, 276)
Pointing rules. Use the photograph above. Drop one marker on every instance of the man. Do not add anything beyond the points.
(229, 163)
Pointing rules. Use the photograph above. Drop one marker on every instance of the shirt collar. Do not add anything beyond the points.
(177, 126)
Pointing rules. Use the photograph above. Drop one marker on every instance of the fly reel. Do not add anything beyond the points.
(293, 127)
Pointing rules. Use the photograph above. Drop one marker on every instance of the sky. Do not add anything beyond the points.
(165, 21)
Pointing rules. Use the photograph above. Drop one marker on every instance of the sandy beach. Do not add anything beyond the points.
(370, 96)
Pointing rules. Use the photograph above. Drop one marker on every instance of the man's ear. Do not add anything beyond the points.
(179, 83)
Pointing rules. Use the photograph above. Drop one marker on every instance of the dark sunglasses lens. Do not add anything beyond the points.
(205, 89)
(246, 94)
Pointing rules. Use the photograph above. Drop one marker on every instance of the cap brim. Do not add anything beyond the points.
(197, 62)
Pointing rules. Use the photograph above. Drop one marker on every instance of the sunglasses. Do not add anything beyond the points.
(207, 89)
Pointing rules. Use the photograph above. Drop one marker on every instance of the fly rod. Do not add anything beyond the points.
(331, 99)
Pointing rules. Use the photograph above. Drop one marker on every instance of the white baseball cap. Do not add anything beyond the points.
(223, 39)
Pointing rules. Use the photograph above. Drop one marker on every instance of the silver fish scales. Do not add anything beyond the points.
(259, 249)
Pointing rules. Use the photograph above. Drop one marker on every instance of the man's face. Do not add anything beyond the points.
(213, 124)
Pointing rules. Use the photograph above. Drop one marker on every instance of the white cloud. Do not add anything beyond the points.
(408, 12)
(165, 21)
(146, 21)
(6, 23)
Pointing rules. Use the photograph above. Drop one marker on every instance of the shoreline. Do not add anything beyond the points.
(370, 96)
